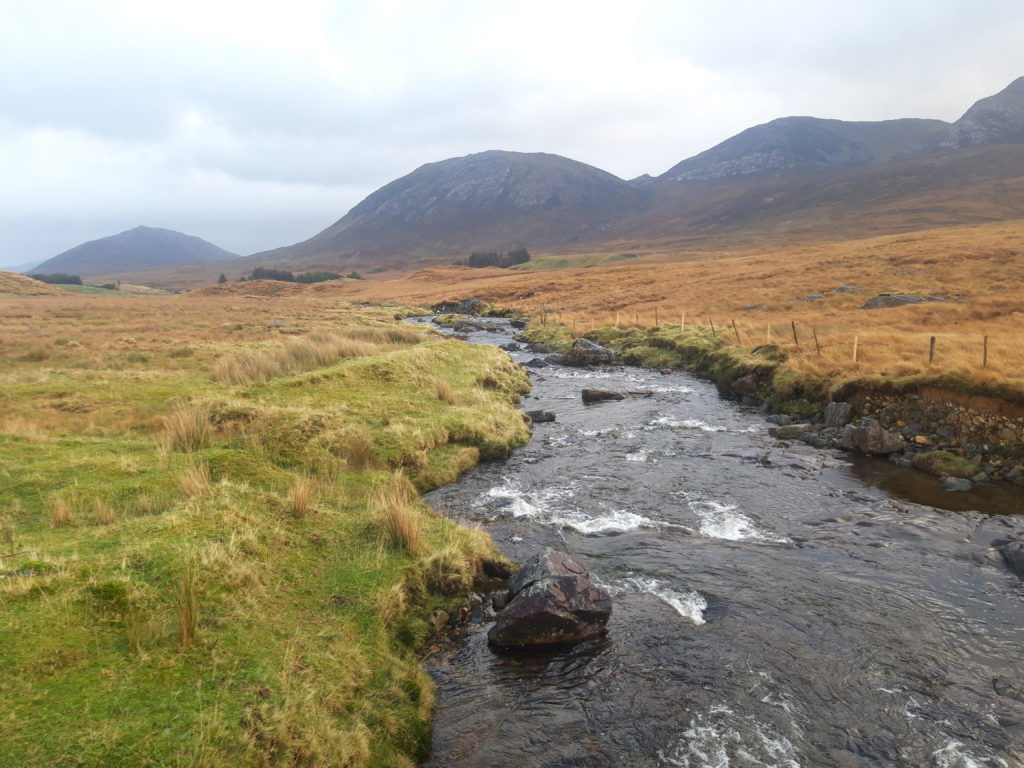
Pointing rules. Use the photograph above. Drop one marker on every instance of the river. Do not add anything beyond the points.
(773, 606)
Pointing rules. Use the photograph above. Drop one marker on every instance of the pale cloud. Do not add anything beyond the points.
(255, 123)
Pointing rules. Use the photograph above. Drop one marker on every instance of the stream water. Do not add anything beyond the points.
(773, 608)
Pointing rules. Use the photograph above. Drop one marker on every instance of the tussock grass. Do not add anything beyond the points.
(395, 503)
(103, 512)
(195, 479)
(60, 511)
(317, 350)
(303, 495)
(187, 428)
(444, 392)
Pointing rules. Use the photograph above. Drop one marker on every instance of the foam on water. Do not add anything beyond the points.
(954, 756)
(642, 455)
(723, 739)
(616, 521)
(672, 423)
(690, 605)
(725, 521)
(527, 503)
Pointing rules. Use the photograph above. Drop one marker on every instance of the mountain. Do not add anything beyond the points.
(488, 201)
(809, 143)
(997, 119)
(793, 178)
(136, 249)
(806, 144)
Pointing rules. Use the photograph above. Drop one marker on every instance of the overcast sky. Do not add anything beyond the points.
(256, 123)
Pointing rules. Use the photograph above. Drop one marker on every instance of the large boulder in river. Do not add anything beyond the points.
(550, 562)
(553, 601)
(585, 352)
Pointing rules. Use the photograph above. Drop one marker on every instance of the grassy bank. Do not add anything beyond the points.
(212, 548)
(767, 372)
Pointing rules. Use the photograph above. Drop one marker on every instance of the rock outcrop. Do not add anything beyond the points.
(585, 352)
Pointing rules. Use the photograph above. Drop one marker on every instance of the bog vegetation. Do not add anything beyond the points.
(212, 547)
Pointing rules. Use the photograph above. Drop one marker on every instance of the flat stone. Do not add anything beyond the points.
(599, 395)
(790, 432)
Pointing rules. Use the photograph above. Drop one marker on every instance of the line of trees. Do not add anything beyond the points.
(498, 258)
(57, 278)
(286, 276)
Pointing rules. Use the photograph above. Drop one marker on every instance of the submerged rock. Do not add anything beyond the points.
(598, 395)
(1013, 555)
(956, 484)
(539, 417)
(552, 601)
(537, 362)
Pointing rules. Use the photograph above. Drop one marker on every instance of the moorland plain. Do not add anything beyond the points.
(213, 552)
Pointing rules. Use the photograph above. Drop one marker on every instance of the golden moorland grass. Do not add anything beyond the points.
(978, 271)
(214, 570)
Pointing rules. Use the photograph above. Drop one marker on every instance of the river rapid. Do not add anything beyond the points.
(772, 607)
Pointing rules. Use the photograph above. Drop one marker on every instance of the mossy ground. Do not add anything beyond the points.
(240, 603)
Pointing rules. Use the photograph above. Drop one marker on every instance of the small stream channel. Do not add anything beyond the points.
(774, 607)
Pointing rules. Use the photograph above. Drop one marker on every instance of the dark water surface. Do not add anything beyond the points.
(771, 608)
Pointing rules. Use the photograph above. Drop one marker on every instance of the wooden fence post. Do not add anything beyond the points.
(855, 349)
(712, 329)
(655, 317)
(768, 336)
(736, 331)
(682, 322)
(931, 350)
(984, 357)
(817, 346)
(795, 339)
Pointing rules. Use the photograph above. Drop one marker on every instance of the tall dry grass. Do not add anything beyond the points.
(317, 350)
(187, 428)
(187, 605)
(60, 511)
(195, 480)
(394, 502)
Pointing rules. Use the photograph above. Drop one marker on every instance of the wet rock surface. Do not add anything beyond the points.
(585, 352)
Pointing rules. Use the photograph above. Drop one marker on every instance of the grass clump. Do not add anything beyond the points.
(396, 505)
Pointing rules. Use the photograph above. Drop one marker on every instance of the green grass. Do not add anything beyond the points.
(307, 618)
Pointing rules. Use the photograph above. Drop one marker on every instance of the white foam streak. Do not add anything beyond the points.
(618, 521)
(690, 605)
(725, 521)
(671, 423)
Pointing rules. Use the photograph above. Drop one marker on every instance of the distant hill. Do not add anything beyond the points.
(137, 249)
(488, 201)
